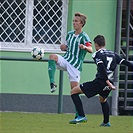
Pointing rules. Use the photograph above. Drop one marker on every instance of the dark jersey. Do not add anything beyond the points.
(109, 59)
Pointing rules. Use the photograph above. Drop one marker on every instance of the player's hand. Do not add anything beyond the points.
(63, 47)
(81, 46)
(111, 86)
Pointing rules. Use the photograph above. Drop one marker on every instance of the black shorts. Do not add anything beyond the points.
(95, 87)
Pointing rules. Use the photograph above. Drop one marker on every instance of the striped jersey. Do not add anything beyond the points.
(74, 55)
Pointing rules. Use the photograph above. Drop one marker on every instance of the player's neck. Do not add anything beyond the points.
(101, 48)
(78, 31)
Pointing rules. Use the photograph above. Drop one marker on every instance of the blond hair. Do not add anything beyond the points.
(82, 17)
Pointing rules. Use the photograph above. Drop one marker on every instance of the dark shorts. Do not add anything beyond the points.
(95, 87)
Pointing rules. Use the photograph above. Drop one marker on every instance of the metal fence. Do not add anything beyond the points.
(27, 23)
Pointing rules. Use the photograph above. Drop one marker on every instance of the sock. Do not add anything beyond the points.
(76, 112)
(105, 109)
(51, 70)
(78, 104)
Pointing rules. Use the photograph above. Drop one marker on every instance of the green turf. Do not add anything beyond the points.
(14, 122)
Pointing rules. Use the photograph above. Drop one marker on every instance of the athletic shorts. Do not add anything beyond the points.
(95, 87)
(64, 65)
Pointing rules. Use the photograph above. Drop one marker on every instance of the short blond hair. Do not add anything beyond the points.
(82, 17)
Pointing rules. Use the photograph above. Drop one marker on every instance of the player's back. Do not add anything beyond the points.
(110, 60)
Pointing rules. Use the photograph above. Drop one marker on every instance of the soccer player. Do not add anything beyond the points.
(77, 45)
(106, 62)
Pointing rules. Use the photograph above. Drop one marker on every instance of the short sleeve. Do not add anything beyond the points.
(86, 39)
(118, 58)
(97, 58)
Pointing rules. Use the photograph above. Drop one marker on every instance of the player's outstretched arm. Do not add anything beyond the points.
(127, 63)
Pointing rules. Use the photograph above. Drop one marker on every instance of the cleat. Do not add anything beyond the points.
(53, 87)
(101, 124)
(79, 119)
(105, 124)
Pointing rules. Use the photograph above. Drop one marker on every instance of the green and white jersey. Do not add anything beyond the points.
(74, 55)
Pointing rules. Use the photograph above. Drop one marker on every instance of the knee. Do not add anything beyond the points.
(71, 92)
(76, 90)
(102, 100)
(53, 57)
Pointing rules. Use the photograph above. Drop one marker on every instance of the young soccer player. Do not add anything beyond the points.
(77, 45)
(106, 62)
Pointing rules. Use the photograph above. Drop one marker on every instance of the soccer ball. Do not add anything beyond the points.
(37, 53)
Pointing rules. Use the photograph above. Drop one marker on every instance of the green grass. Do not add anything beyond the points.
(15, 122)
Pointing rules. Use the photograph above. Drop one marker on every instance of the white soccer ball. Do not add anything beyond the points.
(37, 53)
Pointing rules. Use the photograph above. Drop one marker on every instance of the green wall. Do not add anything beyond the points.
(101, 18)
(32, 77)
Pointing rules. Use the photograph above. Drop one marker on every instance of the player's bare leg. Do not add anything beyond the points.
(73, 84)
(76, 90)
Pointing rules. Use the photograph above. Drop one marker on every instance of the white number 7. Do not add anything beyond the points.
(109, 59)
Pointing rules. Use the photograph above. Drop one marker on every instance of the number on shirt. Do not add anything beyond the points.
(109, 59)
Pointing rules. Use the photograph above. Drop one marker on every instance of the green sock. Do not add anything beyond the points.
(51, 70)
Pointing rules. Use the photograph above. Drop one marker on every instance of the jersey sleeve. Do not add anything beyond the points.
(66, 41)
(101, 68)
(86, 40)
(127, 63)
(119, 59)
(97, 58)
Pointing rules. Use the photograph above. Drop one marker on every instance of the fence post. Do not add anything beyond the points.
(60, 97)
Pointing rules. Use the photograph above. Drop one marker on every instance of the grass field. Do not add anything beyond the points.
(15, 122)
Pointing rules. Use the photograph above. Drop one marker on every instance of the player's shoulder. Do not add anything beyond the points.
(84, 33)
(99, 53)
(105, 51)
(109, 51)
(94, 54)
(71, 32)
(86, 36)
